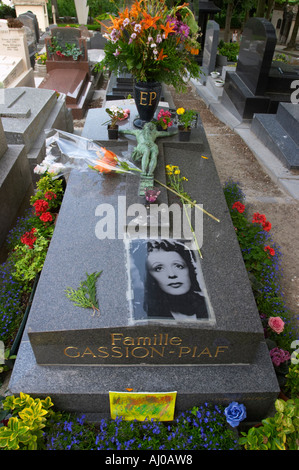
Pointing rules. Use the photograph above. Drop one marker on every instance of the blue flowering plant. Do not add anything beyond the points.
(200, 428)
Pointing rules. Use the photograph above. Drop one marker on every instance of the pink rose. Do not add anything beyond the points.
(276, 324)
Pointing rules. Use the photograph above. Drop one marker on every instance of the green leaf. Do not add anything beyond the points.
(85, 295)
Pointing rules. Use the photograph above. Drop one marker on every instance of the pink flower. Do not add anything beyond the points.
(276, 324)
(279, 356)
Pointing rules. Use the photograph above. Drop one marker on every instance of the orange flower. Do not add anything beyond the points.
(167, 29)
(161, 56)
(107, 162)
(136, 9)
(149, 21)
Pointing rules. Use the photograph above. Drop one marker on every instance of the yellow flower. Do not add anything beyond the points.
(180, 111)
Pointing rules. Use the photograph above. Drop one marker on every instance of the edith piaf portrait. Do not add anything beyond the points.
(166, 282)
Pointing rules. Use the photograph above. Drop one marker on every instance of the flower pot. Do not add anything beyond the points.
(147, 97)
(184, 134)
(113, 132)
(41, 68)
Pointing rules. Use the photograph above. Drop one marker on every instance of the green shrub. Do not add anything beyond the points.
(280, 432)
(229, 50)
(25, 428)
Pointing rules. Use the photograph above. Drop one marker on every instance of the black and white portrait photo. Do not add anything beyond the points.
(166, 282)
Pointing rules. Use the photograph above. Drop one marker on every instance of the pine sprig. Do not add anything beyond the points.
(85, 296)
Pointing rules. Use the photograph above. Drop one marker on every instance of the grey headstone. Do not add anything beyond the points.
(210, 46)
(256, 53)
(77, 357)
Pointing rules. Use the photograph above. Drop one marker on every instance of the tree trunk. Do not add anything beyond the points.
(271, 4)
(54, 4)
(292, 42)
(260, 9)
(229, 14)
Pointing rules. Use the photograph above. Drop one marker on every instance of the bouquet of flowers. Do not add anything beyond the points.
(66, 152)
(153, 43)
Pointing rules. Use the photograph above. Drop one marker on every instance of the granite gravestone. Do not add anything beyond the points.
(256, 53)
(26, 113)
(77, 357)
(258, 85)
(210, 49)
(15, 182)
(279, 133)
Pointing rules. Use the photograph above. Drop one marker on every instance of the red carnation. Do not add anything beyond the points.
(41, 206)
(28, 238)
(267, 226)
(50, 195)
(46, 217)
(239, 206)
(270, 250)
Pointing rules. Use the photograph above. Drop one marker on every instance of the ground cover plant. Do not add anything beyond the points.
(262, 259)
(27, 245)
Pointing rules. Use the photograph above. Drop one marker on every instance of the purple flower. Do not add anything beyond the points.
(151, 194)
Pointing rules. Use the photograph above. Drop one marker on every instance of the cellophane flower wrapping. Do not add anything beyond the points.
(66, 152)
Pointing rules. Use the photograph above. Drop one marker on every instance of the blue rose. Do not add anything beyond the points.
(235, 413)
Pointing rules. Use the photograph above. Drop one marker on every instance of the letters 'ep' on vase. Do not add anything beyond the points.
(147, 96)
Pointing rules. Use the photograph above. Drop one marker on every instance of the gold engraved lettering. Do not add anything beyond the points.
(142, 355)
(102, 350)
(116, 350)
(175, 341)
(153, 96)
(129, 341)
(160, 353)
(113, 339)
(142, 340)
(66, 351)
(184, 350)
(218, 350)
(143, 98)
(88, 352)
(205, 351)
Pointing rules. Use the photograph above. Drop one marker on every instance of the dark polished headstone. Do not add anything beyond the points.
(256, 54)
(210, 49)
(77, 357)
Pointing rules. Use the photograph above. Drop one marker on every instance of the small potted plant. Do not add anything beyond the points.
(164, 120)
(41, 62)
(186, 118)
(116, 114)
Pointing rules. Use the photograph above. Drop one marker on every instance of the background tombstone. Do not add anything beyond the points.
(15, 66)
(259, 84)
(210, 49)
(256, 53)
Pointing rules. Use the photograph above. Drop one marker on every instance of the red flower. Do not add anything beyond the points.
(261, 219)
(41, 206)
(28, 238)
(267, 226)
(46, 217)
(270, 250)
(239, 206)
(258, 218)
(50, 195)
